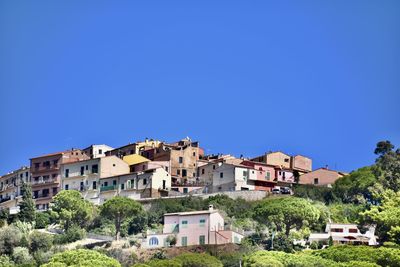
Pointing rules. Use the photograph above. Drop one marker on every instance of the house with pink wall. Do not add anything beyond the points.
(193, 228)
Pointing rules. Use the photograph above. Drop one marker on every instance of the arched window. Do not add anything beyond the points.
(153, 241)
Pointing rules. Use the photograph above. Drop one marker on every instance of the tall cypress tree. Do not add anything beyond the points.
(27, 206)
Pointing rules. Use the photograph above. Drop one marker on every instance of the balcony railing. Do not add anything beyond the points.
(48, 181)
(4, 199)
(108, 188)
(41, 196)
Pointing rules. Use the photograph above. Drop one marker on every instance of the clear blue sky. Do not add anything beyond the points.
(319, 78)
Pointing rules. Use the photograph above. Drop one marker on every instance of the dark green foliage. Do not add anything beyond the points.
(164, 263)
(5, 261)
(125, 257)
(198, 260)
(318, 193)
(354, 188)
(10, 237)
(40, 241)
(286, 213)
(387, 166)
(27, 206)
(81, 258)
(119, 209)
(42, 220)
(231, 259)
(71, 209)
(73, 234)
(381, 256)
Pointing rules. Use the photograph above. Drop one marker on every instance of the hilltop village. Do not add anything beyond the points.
(155, 169)
(153, 203)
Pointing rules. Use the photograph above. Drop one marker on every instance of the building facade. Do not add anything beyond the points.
(46, 174)
(194, 228)
(97, 151)
(322, 176)
(10, 188)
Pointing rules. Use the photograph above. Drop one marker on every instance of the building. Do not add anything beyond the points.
(151, 183)
(85, 175)
(342, 233)
(97, 151)
(205, 227)
(46, 174)
(227, 175)
(266, 175)
(299, 163)
(135, 148)
(10, 188)
(321, 176)
(182, 155)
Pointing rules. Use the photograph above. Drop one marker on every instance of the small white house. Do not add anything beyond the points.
(342, 233)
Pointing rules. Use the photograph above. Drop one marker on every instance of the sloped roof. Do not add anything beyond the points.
(134, 159)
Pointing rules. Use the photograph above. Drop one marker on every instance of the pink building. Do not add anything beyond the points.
(193, 228)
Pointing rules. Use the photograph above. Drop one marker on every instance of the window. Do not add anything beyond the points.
(153, 241)
(144, 181)
(194, 154)
(337, 230)
(178, 172)
(95, 168)
(284, 175)
(87, 167)
(94, 185)
(184, 241)
(66, 187)
(286, 160)
(55, 191)
(37, 165)
(202, 222)
(267, 175)
(114, 182)
(213, 167)
(180, 160)
(244, 173)
(185, 190)
(55, 162)
(353, 230)
(113, 165)
(100, 151)
(221, 175)
(184, 224)
(202, 239)
(316, 181)
(105, 183)
(66, 173)
(166, 168)
(122, 186)
(184, 173)
(202, 171)
(54, 175)
(82, 170)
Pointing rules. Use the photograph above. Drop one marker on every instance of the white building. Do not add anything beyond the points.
(97, 151)
(10, 188)
(227, 176)
(342, 233)
(193, 228)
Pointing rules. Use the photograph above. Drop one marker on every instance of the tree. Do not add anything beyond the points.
(10, 237)
(198, 260)
(286, 213)
(40, 241)
(118, 209)
(386, 216)
(383, 147)
(27, 206)
(81, 258)
(22, 257)
(72, 209)
(387, 166)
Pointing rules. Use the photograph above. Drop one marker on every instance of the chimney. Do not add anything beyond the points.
(211, 207)
(326, 166)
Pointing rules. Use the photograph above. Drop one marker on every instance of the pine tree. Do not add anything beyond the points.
(27, 206)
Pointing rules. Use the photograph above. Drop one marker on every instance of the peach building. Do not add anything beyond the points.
(322, 176)
(46, 174)
(193, 228)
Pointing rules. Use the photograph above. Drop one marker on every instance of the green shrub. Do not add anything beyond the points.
(382, 256)
(81, 258)
(42, 220)
(5, 261)
(40, 241)
(21, 256)
(10, 237)
(71, 235)
(140, 265)
(198, 260)
(125, 257)
(164, 263)
(42, 257)
(230, 259)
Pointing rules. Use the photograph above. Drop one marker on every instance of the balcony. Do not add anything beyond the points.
(108, 188)
(4, 199)
(41, 196)
(48, 181)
